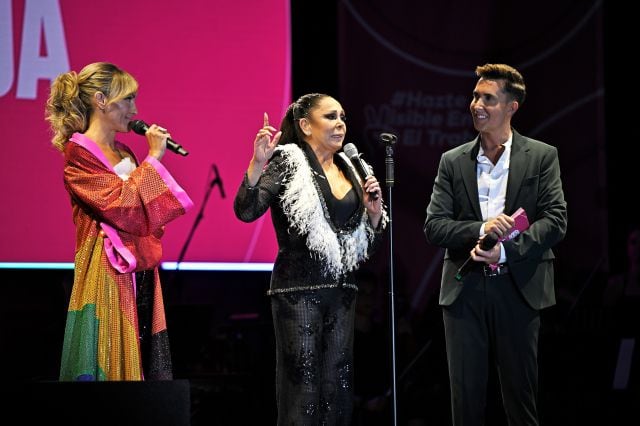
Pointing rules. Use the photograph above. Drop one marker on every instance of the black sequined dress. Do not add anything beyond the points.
(312, 302)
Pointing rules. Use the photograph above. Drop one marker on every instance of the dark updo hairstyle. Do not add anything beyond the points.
(290, 126)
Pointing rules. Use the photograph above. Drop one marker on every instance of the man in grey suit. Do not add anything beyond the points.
(492, 308)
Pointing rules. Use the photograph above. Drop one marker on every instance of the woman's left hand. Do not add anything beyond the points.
(374, 206)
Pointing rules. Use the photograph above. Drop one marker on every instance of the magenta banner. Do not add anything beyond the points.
(207, 72)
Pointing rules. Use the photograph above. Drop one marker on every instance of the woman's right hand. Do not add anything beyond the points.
(265, 143)
(157, 139)
(263, 147)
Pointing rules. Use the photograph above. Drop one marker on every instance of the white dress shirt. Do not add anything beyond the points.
(492, 186)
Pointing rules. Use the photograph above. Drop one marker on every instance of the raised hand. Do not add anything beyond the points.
(263, 147)
(265, 142)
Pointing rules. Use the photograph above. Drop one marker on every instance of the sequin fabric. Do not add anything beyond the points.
(313, 310)
(296, 268)
(102, 335)
(154, 346)
(314, 356)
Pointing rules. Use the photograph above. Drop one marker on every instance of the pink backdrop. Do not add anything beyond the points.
(207, 72)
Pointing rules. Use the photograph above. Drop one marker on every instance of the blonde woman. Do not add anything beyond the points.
(116, 327)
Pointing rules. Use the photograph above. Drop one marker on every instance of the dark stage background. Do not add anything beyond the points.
(407, 67)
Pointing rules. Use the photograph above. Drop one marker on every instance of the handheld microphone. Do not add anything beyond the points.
(361, 167)
(486, 243)
(140, 127)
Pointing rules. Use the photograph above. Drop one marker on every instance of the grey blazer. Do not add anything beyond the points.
(454, 218)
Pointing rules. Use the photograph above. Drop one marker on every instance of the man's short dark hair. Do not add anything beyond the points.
(513, 80)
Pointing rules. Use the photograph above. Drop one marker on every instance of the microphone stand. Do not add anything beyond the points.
(214, 181)
(389, 139)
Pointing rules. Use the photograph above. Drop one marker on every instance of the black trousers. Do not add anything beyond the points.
(490, 322)
(314, 356)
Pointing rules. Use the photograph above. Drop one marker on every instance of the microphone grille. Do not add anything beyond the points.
(388, 138)
(350, 150)
(138, 126)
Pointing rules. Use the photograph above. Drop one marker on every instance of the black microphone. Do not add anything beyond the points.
(361, 167)
(140, 127)
(388, 138)
(486, 243)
